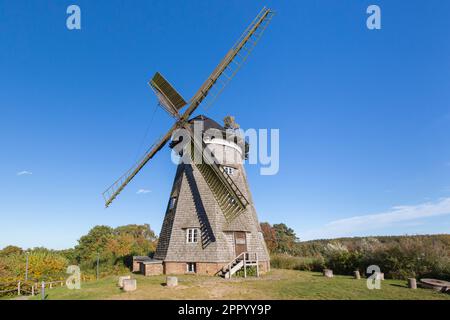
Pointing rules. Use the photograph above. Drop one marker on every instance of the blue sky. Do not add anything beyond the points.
(364, 116)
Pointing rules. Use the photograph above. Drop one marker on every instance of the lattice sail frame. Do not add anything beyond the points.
(168, 97)
(234, 56)
(231, 200)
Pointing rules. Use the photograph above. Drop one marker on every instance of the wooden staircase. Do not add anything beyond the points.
(242, 261)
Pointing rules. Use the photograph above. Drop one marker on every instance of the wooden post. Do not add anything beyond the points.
(32, 289)
(98, 258)
(245, 267)
(357, 275)
(42, 290)
(412, 283)
(18, 288)
(257, 265)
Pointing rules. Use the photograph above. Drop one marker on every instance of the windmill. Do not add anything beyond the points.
(210, 224)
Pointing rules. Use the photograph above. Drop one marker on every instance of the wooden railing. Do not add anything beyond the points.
(27, 287)
(248, 259)
(229, 265)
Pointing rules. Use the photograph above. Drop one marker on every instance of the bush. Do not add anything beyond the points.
(251, 272)
(42, 265)
(397, 257)
(284, 261)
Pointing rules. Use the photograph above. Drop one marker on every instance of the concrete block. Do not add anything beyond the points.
(129, 285)
(121, 279)
(171, 281)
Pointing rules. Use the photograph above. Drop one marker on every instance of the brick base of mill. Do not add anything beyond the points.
(152, 268)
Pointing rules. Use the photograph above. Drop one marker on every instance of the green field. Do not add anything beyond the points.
(278, 284)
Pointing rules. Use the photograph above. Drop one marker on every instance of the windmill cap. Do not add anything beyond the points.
(208, 123)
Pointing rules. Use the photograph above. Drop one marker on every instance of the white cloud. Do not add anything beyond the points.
(399, 214)
(143, 191)
(24, 173)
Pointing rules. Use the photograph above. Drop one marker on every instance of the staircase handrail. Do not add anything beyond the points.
(228, 266)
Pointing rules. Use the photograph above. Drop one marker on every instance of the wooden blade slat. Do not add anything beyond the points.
(230, 199)
(173, 102)
(169, 98)
(259, 23)
(113, 191)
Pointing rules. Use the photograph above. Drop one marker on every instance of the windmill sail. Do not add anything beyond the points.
(111, 193)
(172, 101)
(232, 61)
(168, 97)
(230, 199)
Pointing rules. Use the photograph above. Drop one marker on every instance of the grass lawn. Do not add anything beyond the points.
(278, 284)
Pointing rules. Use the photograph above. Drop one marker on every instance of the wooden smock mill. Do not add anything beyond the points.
(210, 226)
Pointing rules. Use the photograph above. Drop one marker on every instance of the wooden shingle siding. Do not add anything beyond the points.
(197, 207)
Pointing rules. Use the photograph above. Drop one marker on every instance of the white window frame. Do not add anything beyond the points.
(189, 269)
(192, 235)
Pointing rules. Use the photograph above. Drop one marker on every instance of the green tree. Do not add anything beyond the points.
(115, 246)
(285, 237)
(10, 250)
(95, 242)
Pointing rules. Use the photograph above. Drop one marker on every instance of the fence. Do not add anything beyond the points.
(29, 287)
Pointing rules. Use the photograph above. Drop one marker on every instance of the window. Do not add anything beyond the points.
(192, 235)
(191, 267)
(229, 170)
(173, 200)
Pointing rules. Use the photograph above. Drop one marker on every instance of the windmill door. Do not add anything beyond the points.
(240, 242)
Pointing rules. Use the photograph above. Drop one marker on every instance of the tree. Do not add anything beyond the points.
(95, 242)
(285, 237)
(269, 236)
(279, 238)
(115, 246)
(10, 250)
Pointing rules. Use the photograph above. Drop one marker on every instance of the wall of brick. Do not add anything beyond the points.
(264, 266)
(152, 269)
(174, 268)
(203, 268)
(209, 269)
(206, 268)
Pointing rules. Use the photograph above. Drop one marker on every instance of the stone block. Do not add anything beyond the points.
(129, 285)
(171, 281)
(328, 273)
(121, 279)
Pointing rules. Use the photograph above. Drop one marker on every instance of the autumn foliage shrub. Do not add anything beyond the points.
(397, 257)
(112, 247)
(42, 265)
